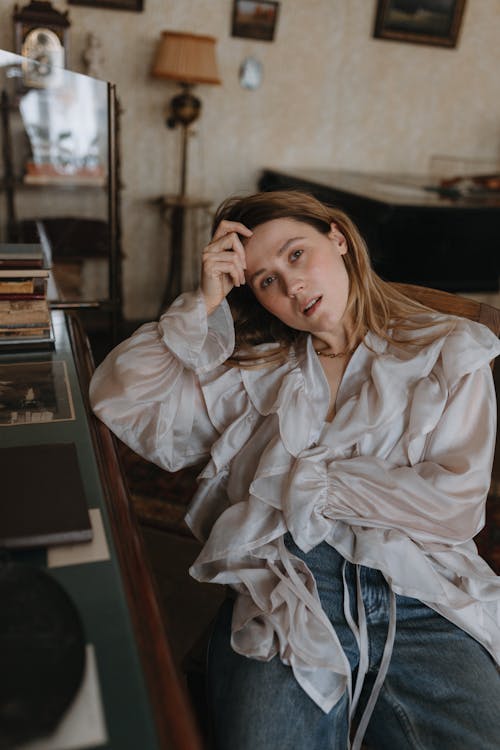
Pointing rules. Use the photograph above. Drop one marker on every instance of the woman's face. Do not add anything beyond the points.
(298, 274)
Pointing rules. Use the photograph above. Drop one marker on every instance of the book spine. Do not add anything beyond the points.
(21, 254)
(21, 309)
(19, 332)
(12, 306)
(26, 286)
(21, 296)
(23, 273)
(18, 263)
(6, 328)
(20, 314)
(26, 345)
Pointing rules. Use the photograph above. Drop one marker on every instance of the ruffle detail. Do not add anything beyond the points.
(278, 608)
(455, 582)
(311, 517)
(202, 346)
(274, 461)
(419, 573)
(230, 411)
(208, 503)
(296, 392)
(467, 348)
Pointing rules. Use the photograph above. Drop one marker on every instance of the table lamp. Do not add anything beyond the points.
(188, 59)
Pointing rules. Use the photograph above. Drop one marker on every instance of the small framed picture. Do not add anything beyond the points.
(136, 5)
(35, 393)
(255, 19)
(420, 21)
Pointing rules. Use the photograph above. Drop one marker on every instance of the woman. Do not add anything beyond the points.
(349, 434)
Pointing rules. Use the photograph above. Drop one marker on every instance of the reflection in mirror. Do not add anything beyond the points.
(63, 132)
(56, 173)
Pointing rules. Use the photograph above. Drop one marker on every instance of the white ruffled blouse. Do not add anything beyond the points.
(397, 481)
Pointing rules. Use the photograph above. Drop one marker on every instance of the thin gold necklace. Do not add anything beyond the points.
(332, 355)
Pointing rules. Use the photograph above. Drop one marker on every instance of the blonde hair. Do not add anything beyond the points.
(372, 305)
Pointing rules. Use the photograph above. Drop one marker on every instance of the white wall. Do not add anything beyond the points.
(332, 95)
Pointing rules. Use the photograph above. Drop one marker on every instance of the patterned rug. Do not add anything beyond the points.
(160, 500)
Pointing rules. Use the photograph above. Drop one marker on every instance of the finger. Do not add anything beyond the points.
(239, 250)
(226, 227)
(211, 260)
(223, 267)
(227, 243)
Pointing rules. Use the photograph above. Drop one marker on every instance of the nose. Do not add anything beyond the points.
(293, 286)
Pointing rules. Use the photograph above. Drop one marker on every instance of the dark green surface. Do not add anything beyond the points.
(96, 588)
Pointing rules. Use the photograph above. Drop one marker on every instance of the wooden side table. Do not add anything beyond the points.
(184, 260)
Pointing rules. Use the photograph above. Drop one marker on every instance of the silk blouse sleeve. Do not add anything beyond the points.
(147, 390)
(439, 499)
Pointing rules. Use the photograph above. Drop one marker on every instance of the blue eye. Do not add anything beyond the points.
(296, 254)
(267, 281)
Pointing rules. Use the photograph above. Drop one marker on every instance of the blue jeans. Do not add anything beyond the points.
(441, 692)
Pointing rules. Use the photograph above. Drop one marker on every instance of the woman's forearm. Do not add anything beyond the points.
(147, 389)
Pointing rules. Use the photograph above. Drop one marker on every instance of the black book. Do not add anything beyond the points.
(42, 501)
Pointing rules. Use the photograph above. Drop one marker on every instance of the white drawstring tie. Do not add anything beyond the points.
(360, 632)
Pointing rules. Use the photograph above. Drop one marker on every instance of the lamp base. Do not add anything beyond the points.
(185, 108)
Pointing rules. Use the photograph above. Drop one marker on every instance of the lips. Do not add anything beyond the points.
(312, 306)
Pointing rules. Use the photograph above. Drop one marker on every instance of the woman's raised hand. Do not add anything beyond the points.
(223, 263)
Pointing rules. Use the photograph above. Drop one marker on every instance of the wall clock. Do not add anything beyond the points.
(41, 34)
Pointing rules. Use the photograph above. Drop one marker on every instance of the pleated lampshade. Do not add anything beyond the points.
(186, 58)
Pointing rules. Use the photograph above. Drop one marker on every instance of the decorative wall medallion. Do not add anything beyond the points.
(250, 74)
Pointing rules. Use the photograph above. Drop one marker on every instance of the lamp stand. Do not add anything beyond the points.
(184, 155)
(185, 108)
(174, 209)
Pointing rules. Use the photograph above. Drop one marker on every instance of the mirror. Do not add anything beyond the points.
(60, 176)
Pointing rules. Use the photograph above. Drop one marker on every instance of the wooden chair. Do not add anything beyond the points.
(488, 541)
(453, 304)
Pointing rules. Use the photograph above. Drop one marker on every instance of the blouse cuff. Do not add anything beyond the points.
(199, 341)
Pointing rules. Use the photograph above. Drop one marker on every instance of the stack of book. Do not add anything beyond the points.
(24, 309)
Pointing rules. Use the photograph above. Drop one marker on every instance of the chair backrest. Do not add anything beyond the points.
(453, 304)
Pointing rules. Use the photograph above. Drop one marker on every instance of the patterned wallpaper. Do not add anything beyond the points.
(331, 95)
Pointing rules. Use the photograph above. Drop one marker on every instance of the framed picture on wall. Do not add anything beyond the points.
(136, 5)
(420, 21)
(255, 19)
